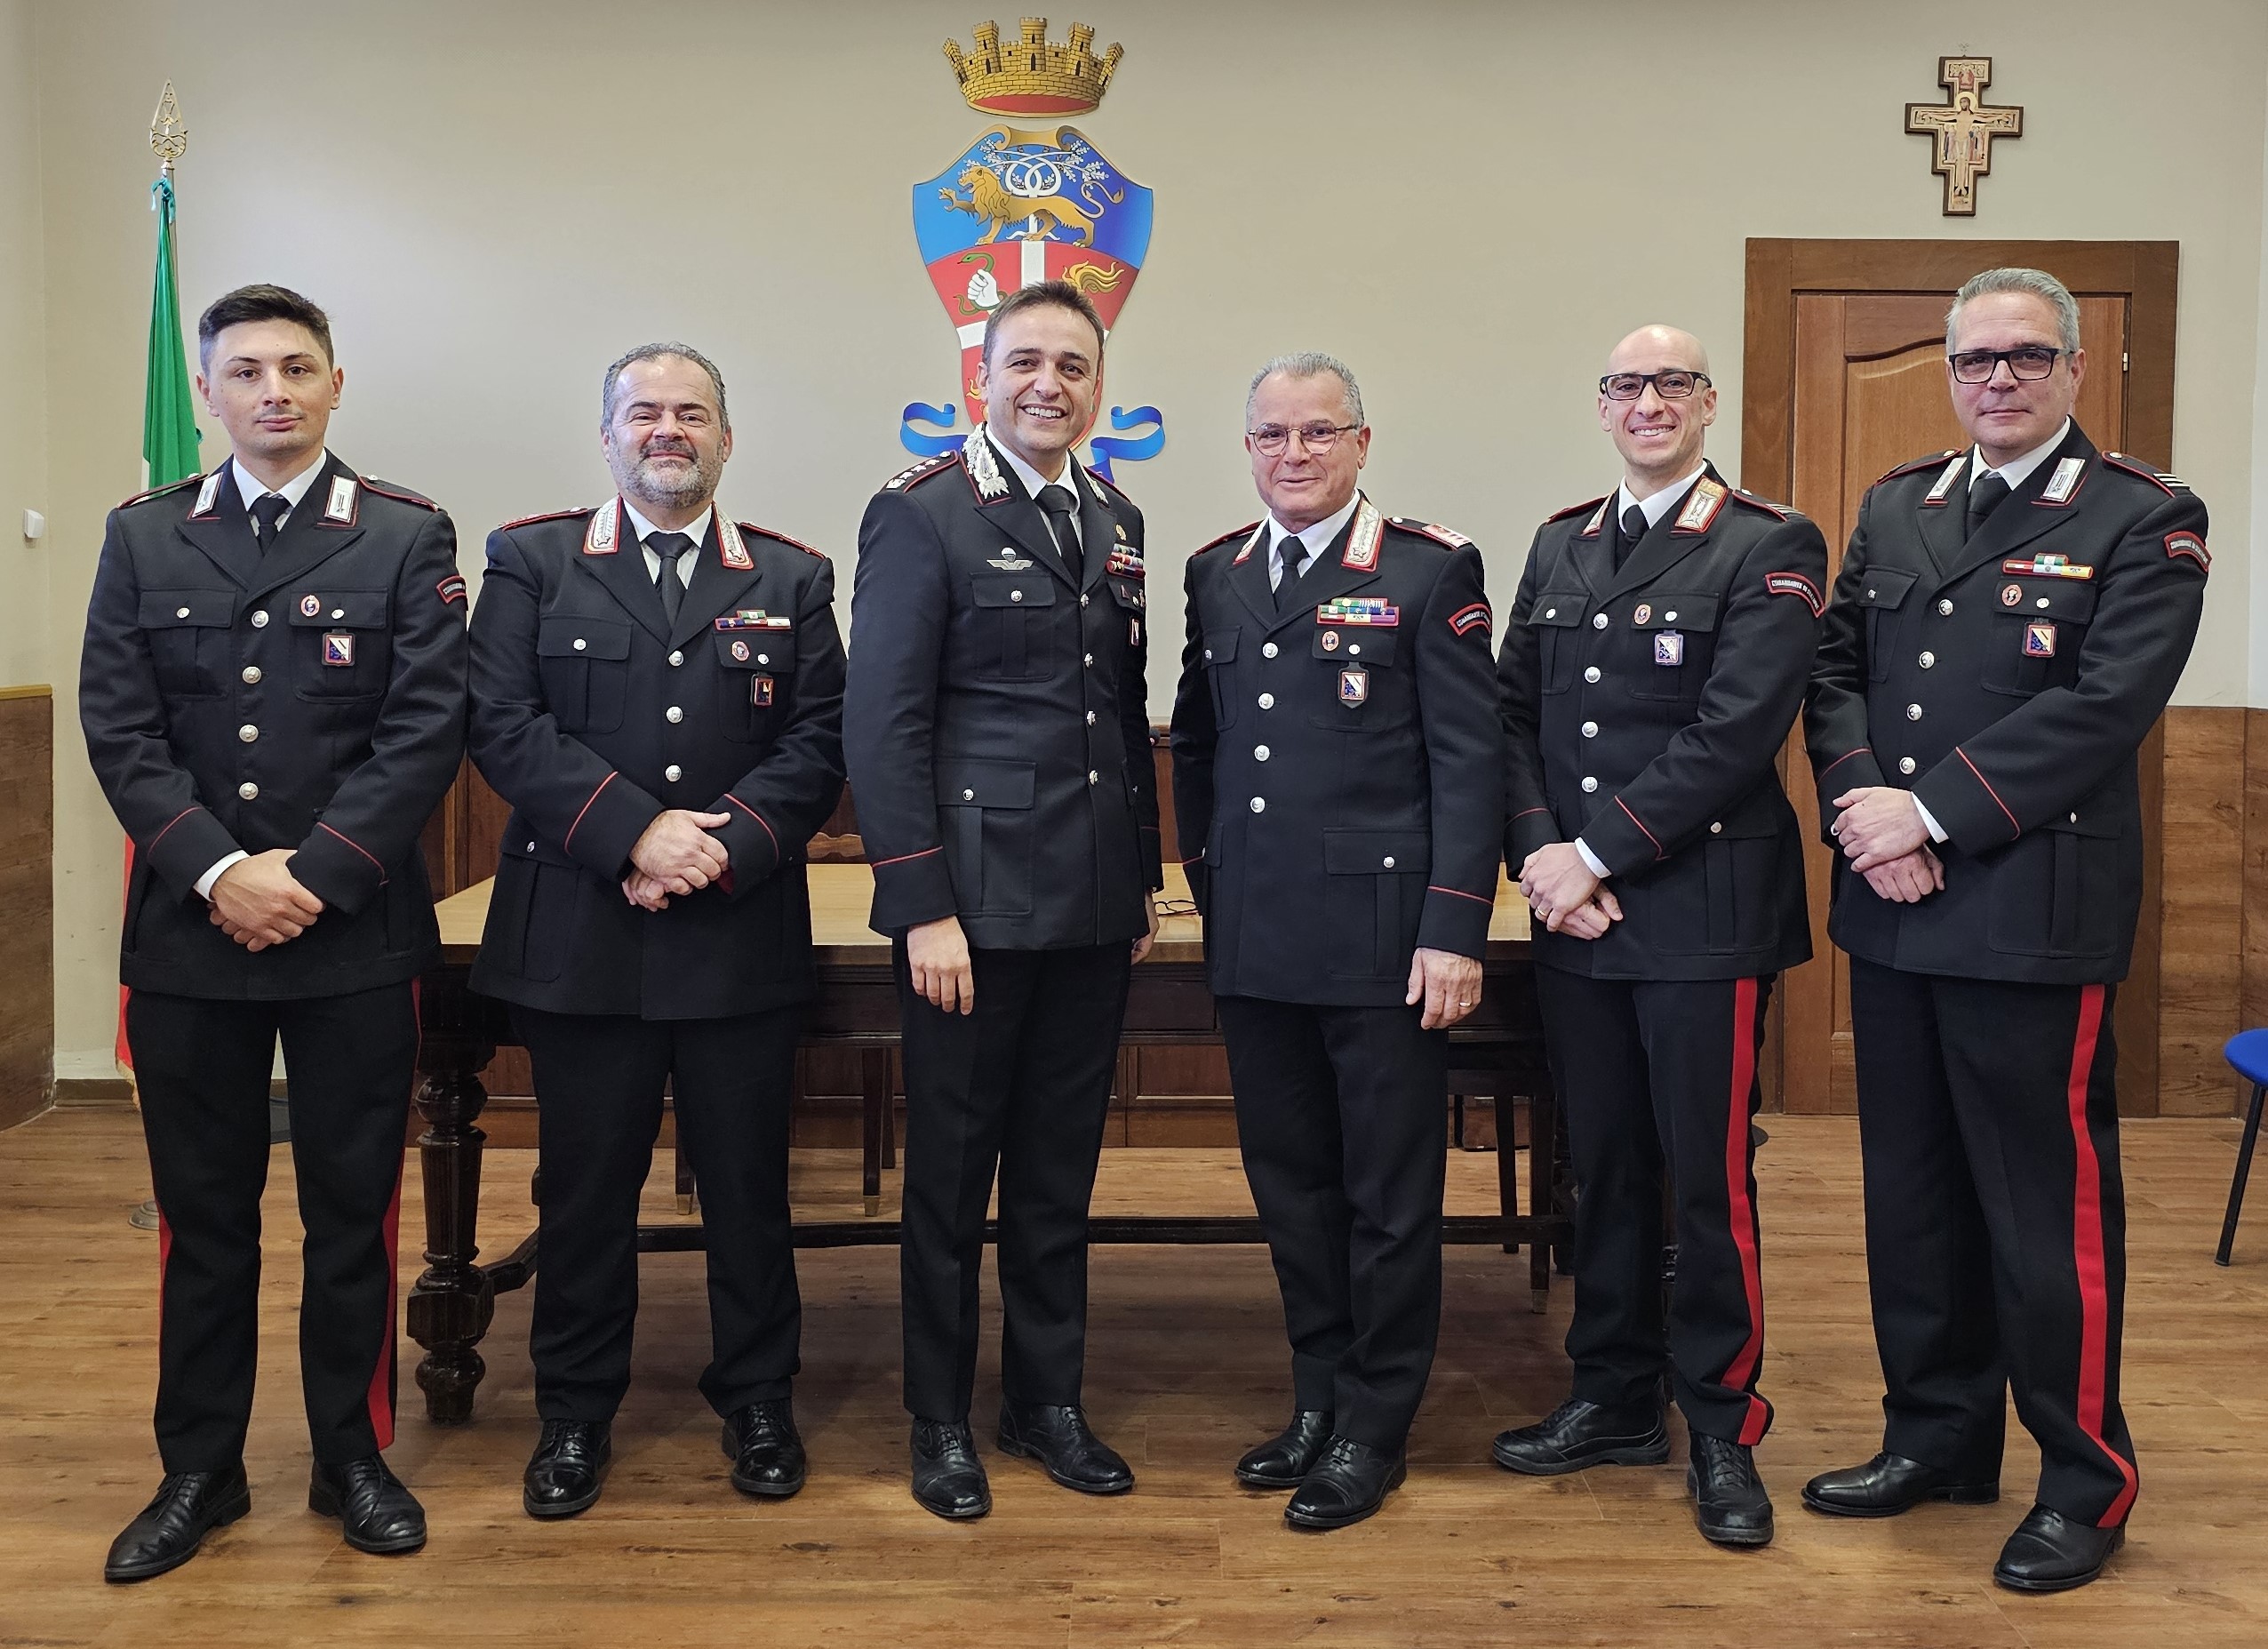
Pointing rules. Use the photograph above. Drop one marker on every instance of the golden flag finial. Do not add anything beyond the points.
(169, 136)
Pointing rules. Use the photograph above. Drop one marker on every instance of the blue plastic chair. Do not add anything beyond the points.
(2247, 1051)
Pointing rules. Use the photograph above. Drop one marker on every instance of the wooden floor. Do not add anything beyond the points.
(1186, 1366)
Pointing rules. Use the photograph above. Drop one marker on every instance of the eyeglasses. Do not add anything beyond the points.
(1270, 439)
(1670, 386)
(2028, 364)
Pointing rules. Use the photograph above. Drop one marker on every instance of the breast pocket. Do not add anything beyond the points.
(1359, 689)
(2035, 638)
(756, 682)
(187, 630)
(1014, 611)
(1375, 882)
(986, 807)
(1557, 620)
(1677, 637)
(1882, 597)
(586, 667)
(340, 643)
(1219, 649)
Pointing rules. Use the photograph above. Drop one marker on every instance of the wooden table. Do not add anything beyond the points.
(1498, 1049)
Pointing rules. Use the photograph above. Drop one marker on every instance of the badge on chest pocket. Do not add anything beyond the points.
(760, 688)
(339, 648)
(1669, 647)
(1354, 687)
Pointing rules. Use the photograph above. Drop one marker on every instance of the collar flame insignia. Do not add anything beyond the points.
(1363, 542)
(1701, 505)
(730, 549)
(602, 537)
(984, 469)
(209, 494)
(1944, 483)
(2064, 482)
(339, 507)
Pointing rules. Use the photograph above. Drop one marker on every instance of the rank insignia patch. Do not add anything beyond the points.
(338, 649)
(730, 549)
(1669, 647)
(1353, 686)
(1465, 620)
(2064, 482)
(759, 691)
(1944, 481)
(2039, 640)
(339, 508)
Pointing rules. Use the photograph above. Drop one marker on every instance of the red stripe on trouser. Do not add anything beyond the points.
(164, 1254)
(2088, 1257)
(1742, 1208)
(381, 1379)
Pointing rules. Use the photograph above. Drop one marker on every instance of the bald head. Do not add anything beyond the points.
(1659, 436)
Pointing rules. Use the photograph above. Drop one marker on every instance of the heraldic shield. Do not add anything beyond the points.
(1020, 207)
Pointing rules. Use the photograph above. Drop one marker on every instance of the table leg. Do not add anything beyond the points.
(452, 1301)
(873, 1069)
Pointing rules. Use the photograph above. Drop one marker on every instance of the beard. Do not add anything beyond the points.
(674, 489)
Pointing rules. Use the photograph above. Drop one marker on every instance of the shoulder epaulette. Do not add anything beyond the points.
(922, 471)
(1432, 529)
(2172, 485)
(160, 491)
(1778, 511)
(549, 514)
(1242, 532)
(1930, 462)
(774, 533)
(387, 489)
(1576, 509)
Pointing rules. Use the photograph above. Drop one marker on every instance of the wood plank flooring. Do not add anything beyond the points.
(1186, 1366)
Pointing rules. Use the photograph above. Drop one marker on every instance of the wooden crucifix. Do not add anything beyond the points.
(1964, 127)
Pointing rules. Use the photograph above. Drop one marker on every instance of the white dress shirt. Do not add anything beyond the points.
(1313, 539)
(646, 529)
(1034, 481)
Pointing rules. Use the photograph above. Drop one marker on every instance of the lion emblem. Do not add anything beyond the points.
(989, 199)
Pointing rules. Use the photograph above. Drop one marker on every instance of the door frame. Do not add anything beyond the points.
(2148, 274)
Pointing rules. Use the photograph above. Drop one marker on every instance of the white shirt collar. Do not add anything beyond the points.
(2016, 469)
(697, 532)
(292, 491)
(1656, 504)
(1033, 479)
(1313, 539)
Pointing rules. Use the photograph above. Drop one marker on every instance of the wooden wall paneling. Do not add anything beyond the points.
(27, 902)
(2135, 1014)
(2252, 1007)
(2201, 949)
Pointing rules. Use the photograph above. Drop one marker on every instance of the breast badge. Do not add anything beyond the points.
(1669, 647)
(2039, 640)
(1354, 687)
(2010, 593)
(310, 606)
(759, 691)
(337, 648)
(739, 652)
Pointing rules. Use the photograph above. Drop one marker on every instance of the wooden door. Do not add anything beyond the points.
(1846, 380)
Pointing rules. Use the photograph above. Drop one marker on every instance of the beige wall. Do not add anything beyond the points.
(24, 650)
(1469, 202)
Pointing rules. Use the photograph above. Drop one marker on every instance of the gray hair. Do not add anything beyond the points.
(610, 391)
(1307, 363)
(2034, 282)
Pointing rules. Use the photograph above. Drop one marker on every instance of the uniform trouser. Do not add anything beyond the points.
(1020, 1086)
(1339, 1116)
(598, 1081)
(1996, 1225)
(203, 1067)
(1658, 1078)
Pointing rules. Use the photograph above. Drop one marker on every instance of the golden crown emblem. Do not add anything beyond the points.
(1031, 75)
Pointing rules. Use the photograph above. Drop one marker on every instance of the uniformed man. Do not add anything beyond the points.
(1338, 785)
(2007, 624)
(1655, 658)
(273, 692)
(1000, 756)
(657, 692)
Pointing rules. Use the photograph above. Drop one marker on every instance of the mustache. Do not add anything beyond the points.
(668, 445)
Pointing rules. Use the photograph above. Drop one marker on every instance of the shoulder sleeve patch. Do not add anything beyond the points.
(1799, 586)
(774, 533)
(160, 491)
(1434, 530)
(1576, 509)
(387, 489)
(922, 471)
(1465, 620)
(1778, 511)
(1236, 535)
(553, 515)
(451, 589)
(2191, 545)
(1930, 462)
(2171, 486)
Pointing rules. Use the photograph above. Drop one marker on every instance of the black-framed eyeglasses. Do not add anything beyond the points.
(2028, 364)
(1270, 439)
(1674, 385)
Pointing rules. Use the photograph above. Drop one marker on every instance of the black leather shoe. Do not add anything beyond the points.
(1729, 1505)
(1347, 1484)
(1890, 1484)
(767, 1455)
(563, 1473)
(378, 1514)
(189, 1505)
(948, 1478)
(2052, 1553)
(1056, 1435)
(1577, 1435)
(1281, 1462)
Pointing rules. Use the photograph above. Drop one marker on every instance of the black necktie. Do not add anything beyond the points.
(1291, 560)
(1986, 497)
(669, 546)
(1059, 506)
(1633, 528)
(269, 510)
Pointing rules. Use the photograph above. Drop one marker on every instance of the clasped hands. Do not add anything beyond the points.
(1563, 894)
(676, 854)
(258, 903)
(1880, 831)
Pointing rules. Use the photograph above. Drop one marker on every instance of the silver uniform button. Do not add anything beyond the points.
(1208, 655)
(763, 658)
(248, 790)
(1914, 712)
(580, 643)
(1356, 648)
(1551, 612)
(2075, 818)
(1093, 777)
(1599, 622)
(1267, 701)
(1592, 674)
(1090, 718)
(1670, 617)
(2042, 602)
(968, 796)
(674, 712)
(1083, 600)
(251, 675)
(1388, 861)
(1589, 730)
(1870, 595)
(673, 773)
(1015, 595)
(1259, 752)
(1087, 659)
(1945, 609)
(1929, 661)
(1906, 764)
(676, 659)
(259, 619)
(181, 612)
(339, 613)
(1267, 650)
(1716, 827)
(532, 848)
(246, 734)
(1590, 785)
(1260, 805)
